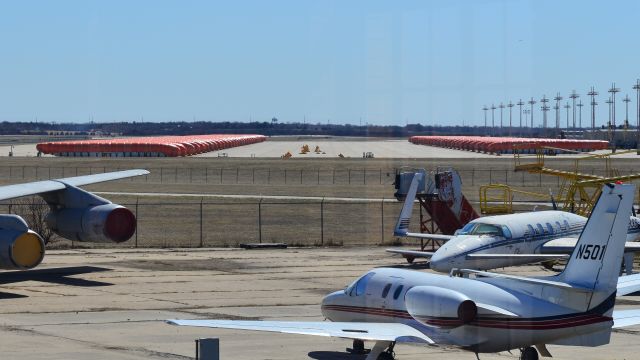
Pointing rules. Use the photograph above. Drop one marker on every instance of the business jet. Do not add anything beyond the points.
(485, 312)
(74, 214)
(505, 240)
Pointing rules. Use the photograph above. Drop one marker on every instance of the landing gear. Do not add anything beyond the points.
(358, 347)
(382, 350)
(528, 353)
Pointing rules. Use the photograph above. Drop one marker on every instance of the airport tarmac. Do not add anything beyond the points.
(110, 304)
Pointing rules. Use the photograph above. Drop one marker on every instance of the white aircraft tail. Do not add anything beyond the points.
(597, 257)
(402, 226)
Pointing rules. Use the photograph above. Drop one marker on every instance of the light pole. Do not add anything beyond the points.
(609, 127)
(573, 97)
(593, 93)
(626, 117)
(567, 106)
(526, 115)
(510, 105)
(544, 109)
(580, 105)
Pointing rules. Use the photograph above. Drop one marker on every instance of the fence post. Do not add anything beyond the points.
(318, 176)
(365, 176)
(506, 177)
(300, 176)
(137, 218)
(382, 220)
(380, 176)
(285, 176)
(269, 176)
(490, 176)
(175, 178)
(322, 222)
(260, 221)
(349, 176)
(206, 175)
(334, 175)
(201, 224)
(473, 175)
(237, 174)
(253, 175)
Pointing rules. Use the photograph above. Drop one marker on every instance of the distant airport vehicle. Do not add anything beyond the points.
(480, 311)
(74, 214)
(504, 240)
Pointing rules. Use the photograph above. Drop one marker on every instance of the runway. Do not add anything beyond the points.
(110, 304)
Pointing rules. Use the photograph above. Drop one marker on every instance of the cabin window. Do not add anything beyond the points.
(559, 226)
(539, 229)
(466, 230)
(487, 229)
(396, 294)
(530, 231)
(385, 291)
(566, 224)
(550, 228)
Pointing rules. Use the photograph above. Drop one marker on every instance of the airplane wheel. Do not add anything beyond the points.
(385, 356)
(358, 347)
(410, 260)
(529, 353)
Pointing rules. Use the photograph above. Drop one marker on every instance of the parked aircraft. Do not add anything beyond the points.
(486, 312)
(74, 214)
(504, 240)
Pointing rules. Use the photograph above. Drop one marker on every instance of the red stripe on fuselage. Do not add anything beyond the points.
(497, 323)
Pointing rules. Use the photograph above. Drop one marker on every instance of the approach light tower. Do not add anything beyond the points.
(557, 109)
(573, 97)
(609, 123)
(485, 108)
(544, 109)
(520, 103)
(626, 112)
(567, 106)
(510, 106)
(636, 87)
(593, 93)
(580, 105)
(501, 106)
(526, 115)
(532, 102)
(493, 120)
(613, 92)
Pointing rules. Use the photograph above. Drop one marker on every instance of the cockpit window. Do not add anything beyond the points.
(506, 232)
(359, 287)
(466, 230)
(487, 229)
(481, 229)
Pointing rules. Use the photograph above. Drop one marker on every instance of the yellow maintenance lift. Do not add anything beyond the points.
(578, 190)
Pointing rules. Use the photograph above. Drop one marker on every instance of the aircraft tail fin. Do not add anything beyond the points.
(402, 226)
(597, 257)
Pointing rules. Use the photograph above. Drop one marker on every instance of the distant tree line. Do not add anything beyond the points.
(277, 128)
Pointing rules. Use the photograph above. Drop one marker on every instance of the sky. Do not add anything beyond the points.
(369, 62)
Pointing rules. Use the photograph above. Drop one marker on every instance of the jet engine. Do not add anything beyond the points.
(438, 307)
(102, 223)
(20, 247)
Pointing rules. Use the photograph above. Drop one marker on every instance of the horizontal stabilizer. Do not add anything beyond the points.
(628, 284)
(624, 318)
(530, 280)
(412, 253)
(350, 330)
(566, 246)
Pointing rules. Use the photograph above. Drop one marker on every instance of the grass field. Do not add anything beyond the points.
(208, 221)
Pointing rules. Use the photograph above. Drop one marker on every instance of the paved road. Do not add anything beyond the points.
(110, 304)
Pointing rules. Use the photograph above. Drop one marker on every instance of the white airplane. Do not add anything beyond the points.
(504, 240)
(74, 214)
(487, 312)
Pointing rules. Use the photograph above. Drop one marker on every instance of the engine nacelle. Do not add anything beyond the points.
(438, 307)
(102, 223)
(20, 247)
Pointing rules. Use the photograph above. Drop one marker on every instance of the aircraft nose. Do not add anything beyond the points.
(331, 300)
(442, 260)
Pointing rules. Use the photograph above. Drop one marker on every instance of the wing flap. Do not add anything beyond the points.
(628, 284)
(411, 253)
(350, 330)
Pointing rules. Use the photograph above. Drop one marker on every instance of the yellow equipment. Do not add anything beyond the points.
(578, 190)
(304, 149)
(287, 155)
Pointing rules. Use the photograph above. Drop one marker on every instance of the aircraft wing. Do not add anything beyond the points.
(411, 253)
(425, 236)
(624, 318)
(350, 330)
(39, 187)
(519, 258)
